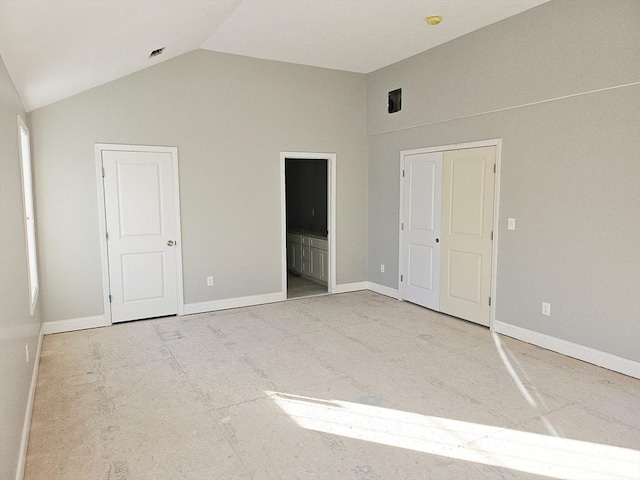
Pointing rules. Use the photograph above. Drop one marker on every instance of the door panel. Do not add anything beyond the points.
(142, 276)
(467, 220)
(466, 197)
(422, 210)
(139, 200)
(465, 272)
(420, 264)
(141, 226)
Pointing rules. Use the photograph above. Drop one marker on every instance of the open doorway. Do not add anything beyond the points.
(307, 224)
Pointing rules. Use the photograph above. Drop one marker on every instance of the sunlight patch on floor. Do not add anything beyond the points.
(546, 455)
(520, 385)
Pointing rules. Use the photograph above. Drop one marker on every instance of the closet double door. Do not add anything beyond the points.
(446, 231)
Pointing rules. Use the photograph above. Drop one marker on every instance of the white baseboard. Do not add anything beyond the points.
(60, 326)
(374, 287)
(351, 287)
(73, 324)
(382, 290)
(237, 302)
(596, 357)
(22, 457)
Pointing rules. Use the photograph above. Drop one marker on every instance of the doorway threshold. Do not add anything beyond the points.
(300, 287)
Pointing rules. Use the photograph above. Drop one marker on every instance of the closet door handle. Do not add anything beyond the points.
(171, 243)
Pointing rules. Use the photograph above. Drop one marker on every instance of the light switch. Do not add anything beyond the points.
(511, 224)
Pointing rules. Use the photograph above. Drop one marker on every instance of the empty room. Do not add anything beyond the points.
(319, 239)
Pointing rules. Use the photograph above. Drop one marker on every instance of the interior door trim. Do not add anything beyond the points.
(495, 142)
(102, 221)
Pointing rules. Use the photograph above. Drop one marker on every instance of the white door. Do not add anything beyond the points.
(421, 229)
(141, 229)
(467, 241)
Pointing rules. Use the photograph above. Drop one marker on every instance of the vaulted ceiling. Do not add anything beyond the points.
(54, 49)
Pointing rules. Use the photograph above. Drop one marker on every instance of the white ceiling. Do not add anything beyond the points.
(54, 49)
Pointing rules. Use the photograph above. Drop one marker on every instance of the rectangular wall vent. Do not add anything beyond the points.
(394, 103)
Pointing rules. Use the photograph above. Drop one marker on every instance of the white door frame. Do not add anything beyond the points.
(496, 142)
(331, 212)
(102, 219)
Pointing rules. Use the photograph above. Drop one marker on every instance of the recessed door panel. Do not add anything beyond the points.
(422, 176)
(139, 199)
(421, 257)
(142, 276)
(465, 273)
(466, 195)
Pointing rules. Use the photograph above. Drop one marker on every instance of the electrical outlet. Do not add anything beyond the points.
(26, 348)
(209, 281)
(546, 309)
(382, 268)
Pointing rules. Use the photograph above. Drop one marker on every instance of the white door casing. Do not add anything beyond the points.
(467, 225)
(141, 209)
(421, 229)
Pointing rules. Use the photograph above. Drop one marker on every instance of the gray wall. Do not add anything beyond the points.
(570, 167)
(17, 326)
(230, 117)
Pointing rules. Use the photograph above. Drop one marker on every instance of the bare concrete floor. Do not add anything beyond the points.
(354, 386)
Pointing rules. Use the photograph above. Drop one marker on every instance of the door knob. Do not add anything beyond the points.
(171, 243)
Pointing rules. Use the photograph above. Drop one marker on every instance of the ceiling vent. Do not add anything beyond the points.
(157, 52)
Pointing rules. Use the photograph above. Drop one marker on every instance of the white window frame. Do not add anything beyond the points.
(24, 144)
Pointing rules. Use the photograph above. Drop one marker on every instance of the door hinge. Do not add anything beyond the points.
(107, 235)
(489, 301)
(402, 226)
(402, 173)
(102, 172)
(491, 234)
(110, 298)
(494, 168)
(402, 278)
